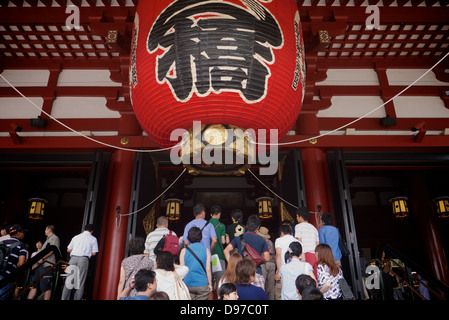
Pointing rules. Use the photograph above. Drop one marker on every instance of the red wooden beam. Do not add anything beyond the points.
(53, 126)
(391, 143)
(43, 144)
(372, 124)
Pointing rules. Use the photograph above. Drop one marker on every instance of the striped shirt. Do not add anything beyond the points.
(309, 236)
(152, 240)
(16, 252)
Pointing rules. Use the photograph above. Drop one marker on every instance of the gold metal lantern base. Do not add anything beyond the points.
(216, 149)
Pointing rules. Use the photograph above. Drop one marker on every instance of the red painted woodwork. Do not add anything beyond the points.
(113, 242)
(169, 94)
(314, 168)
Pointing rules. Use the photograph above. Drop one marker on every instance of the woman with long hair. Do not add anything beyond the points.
(328, 272)
(229, 276)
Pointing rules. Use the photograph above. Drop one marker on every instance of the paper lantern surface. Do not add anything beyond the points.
(230, 62)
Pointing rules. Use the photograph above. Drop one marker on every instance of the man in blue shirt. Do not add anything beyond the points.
(209, 239)
(145, 283)
(329, 235)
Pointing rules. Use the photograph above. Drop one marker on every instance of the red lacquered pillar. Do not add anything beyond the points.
(316, 181)
(113, 244)
(421, 204)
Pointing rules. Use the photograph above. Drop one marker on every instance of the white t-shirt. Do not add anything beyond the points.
(83, 245)
(309, 236)
(284, 243)
(166, 280)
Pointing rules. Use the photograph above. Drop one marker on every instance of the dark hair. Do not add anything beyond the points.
(194, 235)
(285, 229)
(327, 218)
(164, 261)
(89, 227)
(198, 208)
(303, 281)
(226, 288)
(296, 250)
(160, 295)
(244, 270)
(51, 227)
(136, 246)
(142, 278)
(303, 212)
(311, 293)
(253, 222)
(215, 210)
(237, 214)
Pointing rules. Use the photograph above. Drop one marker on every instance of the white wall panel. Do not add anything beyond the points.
(82, 108)
(19, 108)
(350, 77)
(86, 78)
(353, 107)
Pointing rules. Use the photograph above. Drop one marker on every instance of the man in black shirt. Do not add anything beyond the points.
(18, 255)
(236, 228)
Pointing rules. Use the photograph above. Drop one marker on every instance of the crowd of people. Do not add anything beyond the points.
(235, 262)
(81, 248)
(208, 261)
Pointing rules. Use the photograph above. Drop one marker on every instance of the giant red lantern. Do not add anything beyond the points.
(229, 62)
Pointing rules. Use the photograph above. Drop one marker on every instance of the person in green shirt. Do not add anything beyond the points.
(220, 230)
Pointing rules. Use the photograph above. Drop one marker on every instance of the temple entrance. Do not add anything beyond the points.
(73, 189)
(365, 187)
(155, 175)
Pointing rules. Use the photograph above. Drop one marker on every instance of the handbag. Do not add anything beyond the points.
(250, 252)
(343, 245)
(345, 289)
(182, 292)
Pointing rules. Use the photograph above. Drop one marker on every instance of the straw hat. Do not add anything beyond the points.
(263, 232)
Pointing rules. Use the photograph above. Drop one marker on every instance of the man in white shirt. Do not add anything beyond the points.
(81, 248)
(154, 237)
(307, 234)
(281, 246)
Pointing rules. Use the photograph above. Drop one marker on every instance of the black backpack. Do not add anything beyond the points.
(5, 252)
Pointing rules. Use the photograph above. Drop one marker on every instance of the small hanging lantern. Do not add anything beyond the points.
(36, 210)
(400, 209)
(265, 207)
(441, 206)
(173, 209)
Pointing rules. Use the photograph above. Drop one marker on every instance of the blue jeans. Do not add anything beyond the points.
(4, 289)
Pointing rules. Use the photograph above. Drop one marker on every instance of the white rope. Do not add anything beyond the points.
(120, 215)
(251, 141)
(275, 194)
(316, 213)
(358, 119)
(79, 133)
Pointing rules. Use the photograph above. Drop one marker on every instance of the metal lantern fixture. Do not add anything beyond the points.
(173, 209)
(400, 208)
(442, 206)
(36, 210)
(265, 207)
